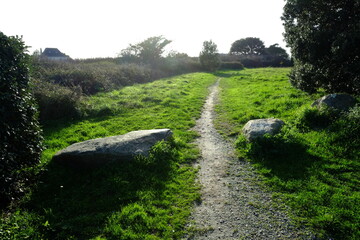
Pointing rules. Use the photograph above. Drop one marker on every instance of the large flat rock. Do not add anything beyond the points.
(100, 151)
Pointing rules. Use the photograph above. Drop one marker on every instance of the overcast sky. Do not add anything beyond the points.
(92, 28)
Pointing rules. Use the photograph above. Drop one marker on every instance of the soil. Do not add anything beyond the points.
(234, 202)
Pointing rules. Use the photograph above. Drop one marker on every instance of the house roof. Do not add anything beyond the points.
(53, 52)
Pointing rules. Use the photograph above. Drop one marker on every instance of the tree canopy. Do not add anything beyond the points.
(247, 46)
(324, 38)
(148, 51)
(276, 51)
(209, 56)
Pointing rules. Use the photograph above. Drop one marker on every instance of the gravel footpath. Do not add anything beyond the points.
(233, 203)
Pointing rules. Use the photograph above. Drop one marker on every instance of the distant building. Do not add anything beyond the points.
(54, 54)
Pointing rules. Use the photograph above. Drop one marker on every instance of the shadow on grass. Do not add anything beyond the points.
(77, 203)
(227, 74)
(286, 158)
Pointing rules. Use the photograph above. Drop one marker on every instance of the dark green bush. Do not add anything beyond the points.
(324, 39)
(20, 135)
(231, 66)
(252, 61)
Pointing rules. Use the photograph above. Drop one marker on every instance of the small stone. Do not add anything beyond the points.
(257, 128)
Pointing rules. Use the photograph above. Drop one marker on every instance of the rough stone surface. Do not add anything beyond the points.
(337, 101)
(259, 127)
(97, 152)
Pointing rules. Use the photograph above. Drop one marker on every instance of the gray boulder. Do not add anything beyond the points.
(257, 128)
(337, 101)
(100, 151)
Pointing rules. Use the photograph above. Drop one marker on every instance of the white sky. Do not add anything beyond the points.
(102, 28)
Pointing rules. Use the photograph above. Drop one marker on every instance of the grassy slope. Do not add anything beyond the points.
(146, 199)
(316, 171)
(151, 198)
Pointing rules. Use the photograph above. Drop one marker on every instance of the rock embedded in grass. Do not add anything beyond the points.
(257, 128)
(100, 151)
(337, 101)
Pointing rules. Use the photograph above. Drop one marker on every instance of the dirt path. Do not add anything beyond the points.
(233, 206)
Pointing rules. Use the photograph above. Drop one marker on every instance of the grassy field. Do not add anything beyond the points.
(145, 199)
(313, 163)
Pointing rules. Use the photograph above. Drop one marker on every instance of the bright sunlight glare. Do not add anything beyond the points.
(94, 28)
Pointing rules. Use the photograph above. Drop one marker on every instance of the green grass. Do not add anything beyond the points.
(149, 198)
(312, 164)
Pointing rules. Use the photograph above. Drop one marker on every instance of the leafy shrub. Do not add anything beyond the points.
(174, 65)
(325, 47)
(70, 75)
(231, 66)
(20, 135)
(92, 77)
(56, 101)
(252, 61)
(21, 225)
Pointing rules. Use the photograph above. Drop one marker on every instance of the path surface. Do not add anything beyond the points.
(233, 205)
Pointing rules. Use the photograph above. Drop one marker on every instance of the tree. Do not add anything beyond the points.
(130, 54)
(276, 51)
(209, 56)
(324, 39)
(276, 56)
(20, 135)
(247, 46)
(148, 51)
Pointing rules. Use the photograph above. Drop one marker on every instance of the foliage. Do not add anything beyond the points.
(91, 76)
(179, 63)
(209, 56)
(253, 61)
(313, 163)
(247, 46)
(59, 86)
(324, 37)
(148, 51)
(150, 198)
(276, 56)
(276, 50)
(252, 53)
(20, 135)
(56, 101)
(231, 66)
